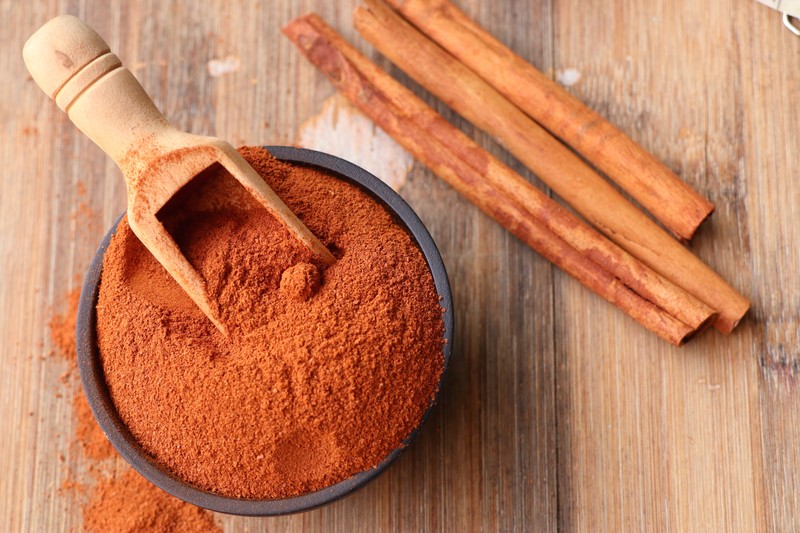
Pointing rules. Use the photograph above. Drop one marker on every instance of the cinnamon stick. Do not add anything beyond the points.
(679, 207)
(573, 180)
(499, 191)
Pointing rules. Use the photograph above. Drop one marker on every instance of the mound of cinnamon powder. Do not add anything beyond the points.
(131, 504)
(326, 369)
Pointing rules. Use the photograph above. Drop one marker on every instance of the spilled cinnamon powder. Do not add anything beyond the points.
(62, 330)
(88, 434)
(131, 504)
(325, 370)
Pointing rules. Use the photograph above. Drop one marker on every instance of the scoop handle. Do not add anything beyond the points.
(73, 65)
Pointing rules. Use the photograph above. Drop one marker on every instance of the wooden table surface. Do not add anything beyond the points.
(559, 411)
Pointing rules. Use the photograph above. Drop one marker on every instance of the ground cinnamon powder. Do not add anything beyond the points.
(88, 434)
(325, 371)
(131, 504)
(90, 437)
(62, 330)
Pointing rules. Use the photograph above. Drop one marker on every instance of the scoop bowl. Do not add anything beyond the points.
(94, 384)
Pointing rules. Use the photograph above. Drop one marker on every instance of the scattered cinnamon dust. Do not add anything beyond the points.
(62, 333)
(86, 216)
(314, 383)
(91, 438)
(131, 504)
(70, 485)
(62, 330)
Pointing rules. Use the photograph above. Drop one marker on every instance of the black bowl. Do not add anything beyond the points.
(105, 412)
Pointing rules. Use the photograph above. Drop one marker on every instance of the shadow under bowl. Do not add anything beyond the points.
(94, 383)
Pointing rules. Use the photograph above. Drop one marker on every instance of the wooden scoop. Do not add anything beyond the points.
(75, 67)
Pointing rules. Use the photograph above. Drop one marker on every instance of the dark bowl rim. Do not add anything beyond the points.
(93, 380)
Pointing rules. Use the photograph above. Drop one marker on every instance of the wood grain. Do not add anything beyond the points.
(559, 411)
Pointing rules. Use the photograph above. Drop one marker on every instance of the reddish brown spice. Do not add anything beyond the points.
(62, 330)
(324, 371)
(300, 282)
(91, 438)
(131, 504)
(88, 434)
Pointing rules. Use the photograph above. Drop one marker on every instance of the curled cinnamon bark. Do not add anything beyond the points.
(528, 213)
(569, 177)
(679, 207)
